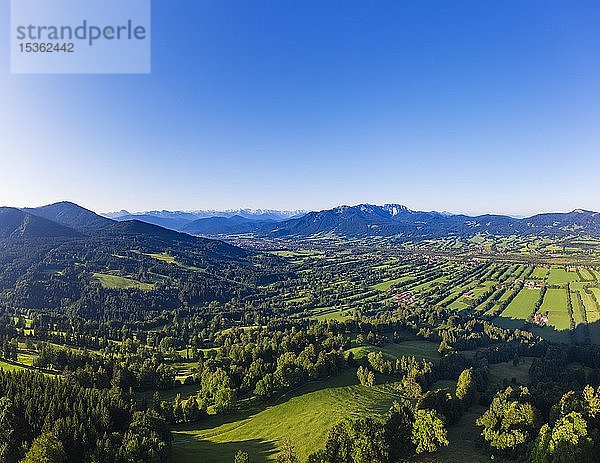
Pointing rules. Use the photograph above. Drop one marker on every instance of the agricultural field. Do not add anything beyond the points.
(579, 315)
(592, 314)
(164, 257)
(540, 273)
(560, 276)
(555, 303)
(520, 309)
(559, 321)
(587, 274)
(386, 285)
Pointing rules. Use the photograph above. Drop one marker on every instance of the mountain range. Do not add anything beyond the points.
(67, 219)
(398, 220)
(182, 220)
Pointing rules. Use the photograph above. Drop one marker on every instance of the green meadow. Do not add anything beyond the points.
(118, 282)
(520, 309)
(386, 285)
(560, 276)
(9, 366)
(304, 415)
(555, 302)
(417, 348)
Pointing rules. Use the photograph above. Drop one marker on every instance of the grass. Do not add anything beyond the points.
(305, 416)
(593, 316)
(26, 359)
(506, 371)
(164, 256)
(386, 285)
(465, 442)
(555, 302)
(333, 315)
(540, 272)
(520, 309)
(463, 301)
(577, 309)
(596, 292)
(559, 322)
(560, 276)
(10, 367)
(169, 259)
(420, 349)
(590, 307)
(118, 282)
(587, 274)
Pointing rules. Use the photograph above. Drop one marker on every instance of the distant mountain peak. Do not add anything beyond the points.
(395, 209)
(115, 214)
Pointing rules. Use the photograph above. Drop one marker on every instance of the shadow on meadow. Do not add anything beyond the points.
(189, 449)
(259, 427)
(250, 408)
(582, 335)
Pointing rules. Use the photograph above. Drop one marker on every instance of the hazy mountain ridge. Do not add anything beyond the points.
(352, 221)
(180, 220)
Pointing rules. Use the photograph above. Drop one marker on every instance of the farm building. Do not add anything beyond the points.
(540, 319)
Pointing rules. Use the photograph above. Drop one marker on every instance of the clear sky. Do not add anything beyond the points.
(464, 106)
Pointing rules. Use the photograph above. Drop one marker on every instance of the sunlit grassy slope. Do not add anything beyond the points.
(305, 416)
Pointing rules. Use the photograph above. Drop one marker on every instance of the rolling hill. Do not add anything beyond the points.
(44, 263)
(132, 228)
(72, 215)
(15, 223)
(68, 220)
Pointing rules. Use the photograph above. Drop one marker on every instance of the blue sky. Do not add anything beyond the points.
(464, 106)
